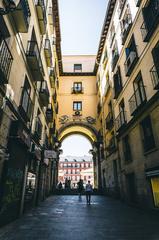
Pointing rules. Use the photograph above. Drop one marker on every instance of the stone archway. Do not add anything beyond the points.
(92, 135)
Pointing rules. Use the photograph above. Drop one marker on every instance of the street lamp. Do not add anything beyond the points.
(10, 5)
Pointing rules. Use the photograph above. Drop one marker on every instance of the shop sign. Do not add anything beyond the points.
(46, 161)
(37, 152)
(50, 154)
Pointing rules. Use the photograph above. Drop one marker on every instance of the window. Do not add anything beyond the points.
(77, 106)
(148, 137)
(127, 149)
(26, 106)
(77, 87)
(77, 67)
(131, 57)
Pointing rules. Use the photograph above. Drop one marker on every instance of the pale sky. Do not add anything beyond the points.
(76, 145)
(81, 23)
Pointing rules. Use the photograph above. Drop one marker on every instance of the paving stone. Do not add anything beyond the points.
(68, 218)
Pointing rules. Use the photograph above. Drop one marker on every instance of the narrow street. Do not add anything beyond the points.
(68, 218)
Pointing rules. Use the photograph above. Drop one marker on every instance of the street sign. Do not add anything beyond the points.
(50, 154)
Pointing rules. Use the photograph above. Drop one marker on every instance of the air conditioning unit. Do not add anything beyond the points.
(77, 113)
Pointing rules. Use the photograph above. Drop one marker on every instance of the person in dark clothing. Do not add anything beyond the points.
(80, 187)
(88, 191)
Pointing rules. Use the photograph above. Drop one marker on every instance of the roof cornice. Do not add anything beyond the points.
(107, 20)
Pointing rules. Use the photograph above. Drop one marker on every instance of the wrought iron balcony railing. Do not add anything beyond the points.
(34, 61)
(154, 77)
(121, 7)
(41, 14)
(109, 121)
(48, 53)
(111, 147)
(6, 60)
(151, 19)
(126, 27)
(44, 94)
(38, 128)
(130, 62)
(49, 113)
(26, 106)
(120, 121)
(115, 58)
(21, 16)
(137, 99)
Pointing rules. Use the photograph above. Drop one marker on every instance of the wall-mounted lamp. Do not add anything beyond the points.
(10, 6)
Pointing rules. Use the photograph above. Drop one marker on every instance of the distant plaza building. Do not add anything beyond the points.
(75, 168)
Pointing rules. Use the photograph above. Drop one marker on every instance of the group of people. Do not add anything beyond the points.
(80, 187)
(88, 190)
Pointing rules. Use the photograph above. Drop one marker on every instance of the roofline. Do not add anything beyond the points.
(107, 20)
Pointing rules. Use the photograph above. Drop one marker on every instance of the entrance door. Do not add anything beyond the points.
(131, 187)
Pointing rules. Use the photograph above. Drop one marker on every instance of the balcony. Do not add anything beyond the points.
(26, 106)
(117, 83)
(137, 100)
(21, 16)
(48, 53)
(154, 78)
(38, 129)
(115, 58)
(41, 14)
(130, 62)
(121, 7)
(50, 19)
(44, 94)
(151, 19)
(75, 90)
(99, 108)
(120, 121)
(109, 121)
(52, 77)
(49, 113)
(55, 97)
(52, 128)
(126, 28)
(57, 108)
(6, 60)
(111, 147)
(34, 61)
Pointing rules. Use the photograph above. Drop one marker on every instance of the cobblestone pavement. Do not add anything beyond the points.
(69, 218)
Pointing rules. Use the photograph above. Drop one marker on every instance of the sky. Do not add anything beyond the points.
(81, 23)
(76, 145)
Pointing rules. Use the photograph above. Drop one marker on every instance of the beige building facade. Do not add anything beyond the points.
(131, 47)
(28, 93)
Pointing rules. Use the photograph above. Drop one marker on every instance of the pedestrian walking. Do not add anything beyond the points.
(80, 187)
(88, 191)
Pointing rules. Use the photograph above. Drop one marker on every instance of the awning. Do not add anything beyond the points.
(152, 173)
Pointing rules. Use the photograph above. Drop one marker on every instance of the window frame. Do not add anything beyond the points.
(78, 103)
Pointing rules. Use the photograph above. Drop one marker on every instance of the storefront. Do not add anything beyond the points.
(30, 198)
(153, 177)
(13, 177)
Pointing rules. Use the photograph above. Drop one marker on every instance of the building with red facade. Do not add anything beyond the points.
(75, 168)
